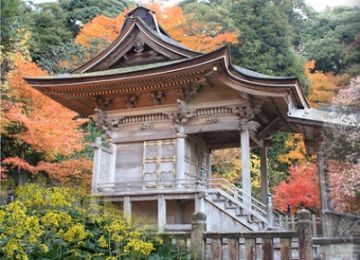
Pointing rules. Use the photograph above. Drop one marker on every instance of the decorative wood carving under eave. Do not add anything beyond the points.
(251, 125)
(158, 97)
(186, 93)
(103, 122)
(181, 117)
(248, 110)
(131, 100)
(246, 113)
(104, 102)
(112, 124)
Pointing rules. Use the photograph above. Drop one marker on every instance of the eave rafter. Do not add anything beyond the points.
(126, 87)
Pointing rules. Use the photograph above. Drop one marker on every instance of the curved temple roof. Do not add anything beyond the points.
(145, 53)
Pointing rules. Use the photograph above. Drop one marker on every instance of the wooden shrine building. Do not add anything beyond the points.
(164, 108)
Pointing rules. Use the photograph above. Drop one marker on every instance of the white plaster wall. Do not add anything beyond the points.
(129, 162)
(104, 174)
(195, 158)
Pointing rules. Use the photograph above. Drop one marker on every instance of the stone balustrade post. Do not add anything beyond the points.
(198, 228)
(305, 235)
(270, 217)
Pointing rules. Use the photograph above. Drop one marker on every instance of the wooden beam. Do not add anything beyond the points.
(281, 114)
(257, 141)
(220, 126)
(269, 127)
(263, 117)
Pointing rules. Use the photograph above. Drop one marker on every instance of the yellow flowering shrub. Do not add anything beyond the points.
(102, 242)
(75, 233)
(55, 219)
(60, 223)
(138, 246)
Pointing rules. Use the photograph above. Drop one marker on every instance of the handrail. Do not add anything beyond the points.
(258, 208)
(255, 204)
(253, 199)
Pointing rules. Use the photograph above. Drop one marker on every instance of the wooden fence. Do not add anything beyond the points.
(267, 245)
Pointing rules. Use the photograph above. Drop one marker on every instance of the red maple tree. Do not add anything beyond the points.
(300, 190)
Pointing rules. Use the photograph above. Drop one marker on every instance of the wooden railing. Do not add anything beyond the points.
(254, 245)
(290, 222)
(267, 245)
(149, 185)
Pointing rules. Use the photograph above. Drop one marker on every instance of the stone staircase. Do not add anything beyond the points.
(242, 208)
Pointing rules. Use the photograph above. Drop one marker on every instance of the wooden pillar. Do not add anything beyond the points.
(245, 165)
(233, 247)
(198, 228)
(209, 164)
(305, 235)
(161, 213)
(113, 164)
(127, 208)
(96, 163)
(180, 156)
(264, 174)
(268, 248)
(250, 248)
(285, 248)
(216, 249)
(323, 194)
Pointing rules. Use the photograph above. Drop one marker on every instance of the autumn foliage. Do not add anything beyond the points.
(195, 36)
(322, 85)
(64, 171)
(297, 151)
(300, 190)
(50, 127)
(344, 183)
(47, 126)
(342, 147)
(172, 19)
(101, 28)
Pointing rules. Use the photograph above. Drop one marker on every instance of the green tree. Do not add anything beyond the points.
(265, 39)
(333, 40)
(14, 24)
(297, 13)
(79, 12)
(48, 33)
